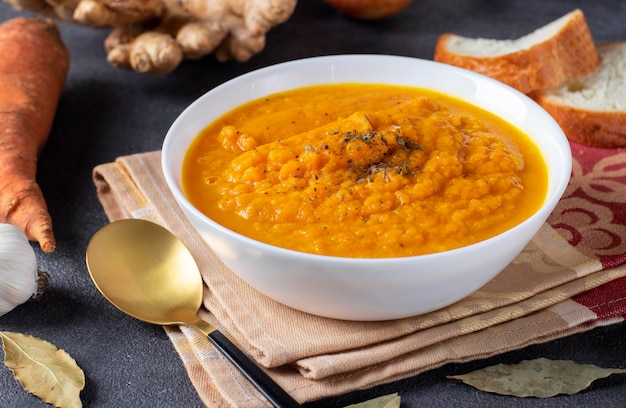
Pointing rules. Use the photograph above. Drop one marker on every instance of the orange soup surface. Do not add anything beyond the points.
(364, 170)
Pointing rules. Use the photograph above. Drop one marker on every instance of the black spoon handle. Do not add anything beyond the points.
(272, 391)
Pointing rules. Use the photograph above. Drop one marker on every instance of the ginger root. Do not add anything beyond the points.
(155, 36)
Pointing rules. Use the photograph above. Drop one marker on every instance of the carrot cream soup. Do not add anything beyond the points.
(364, 170)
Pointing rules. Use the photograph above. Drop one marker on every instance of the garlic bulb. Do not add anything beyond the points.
(18, 268)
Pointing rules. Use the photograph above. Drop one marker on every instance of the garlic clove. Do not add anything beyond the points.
(18, 268)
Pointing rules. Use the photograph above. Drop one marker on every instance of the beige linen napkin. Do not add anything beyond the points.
(546, 293)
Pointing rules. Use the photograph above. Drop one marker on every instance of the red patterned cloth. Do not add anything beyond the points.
(608, 301)
(592, 213)
(598, 190)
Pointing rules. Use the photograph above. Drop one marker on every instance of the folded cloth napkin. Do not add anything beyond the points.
(569, 279)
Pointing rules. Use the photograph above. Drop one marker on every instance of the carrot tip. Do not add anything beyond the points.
(48, 246)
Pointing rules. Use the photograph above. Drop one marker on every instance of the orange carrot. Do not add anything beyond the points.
(33, 68)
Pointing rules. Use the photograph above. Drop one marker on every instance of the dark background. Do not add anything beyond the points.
(106, 112)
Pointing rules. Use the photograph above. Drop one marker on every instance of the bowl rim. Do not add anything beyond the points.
(550, 201)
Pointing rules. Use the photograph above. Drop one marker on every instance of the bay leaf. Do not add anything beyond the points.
(385, 401)
(541, 378)
(43, 370)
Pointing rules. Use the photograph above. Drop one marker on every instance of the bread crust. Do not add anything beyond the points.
(569, 52)
(605, 129)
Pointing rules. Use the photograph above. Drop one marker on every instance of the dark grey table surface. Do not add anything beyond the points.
(106, 112)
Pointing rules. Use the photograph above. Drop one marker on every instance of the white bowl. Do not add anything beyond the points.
(368, 289)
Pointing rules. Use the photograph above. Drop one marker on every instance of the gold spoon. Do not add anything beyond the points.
(148, 273)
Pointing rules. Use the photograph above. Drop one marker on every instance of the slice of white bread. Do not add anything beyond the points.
(539, 60)
(591, 109)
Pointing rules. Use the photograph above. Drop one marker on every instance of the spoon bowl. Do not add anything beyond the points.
(138, 266)
(148, 273)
